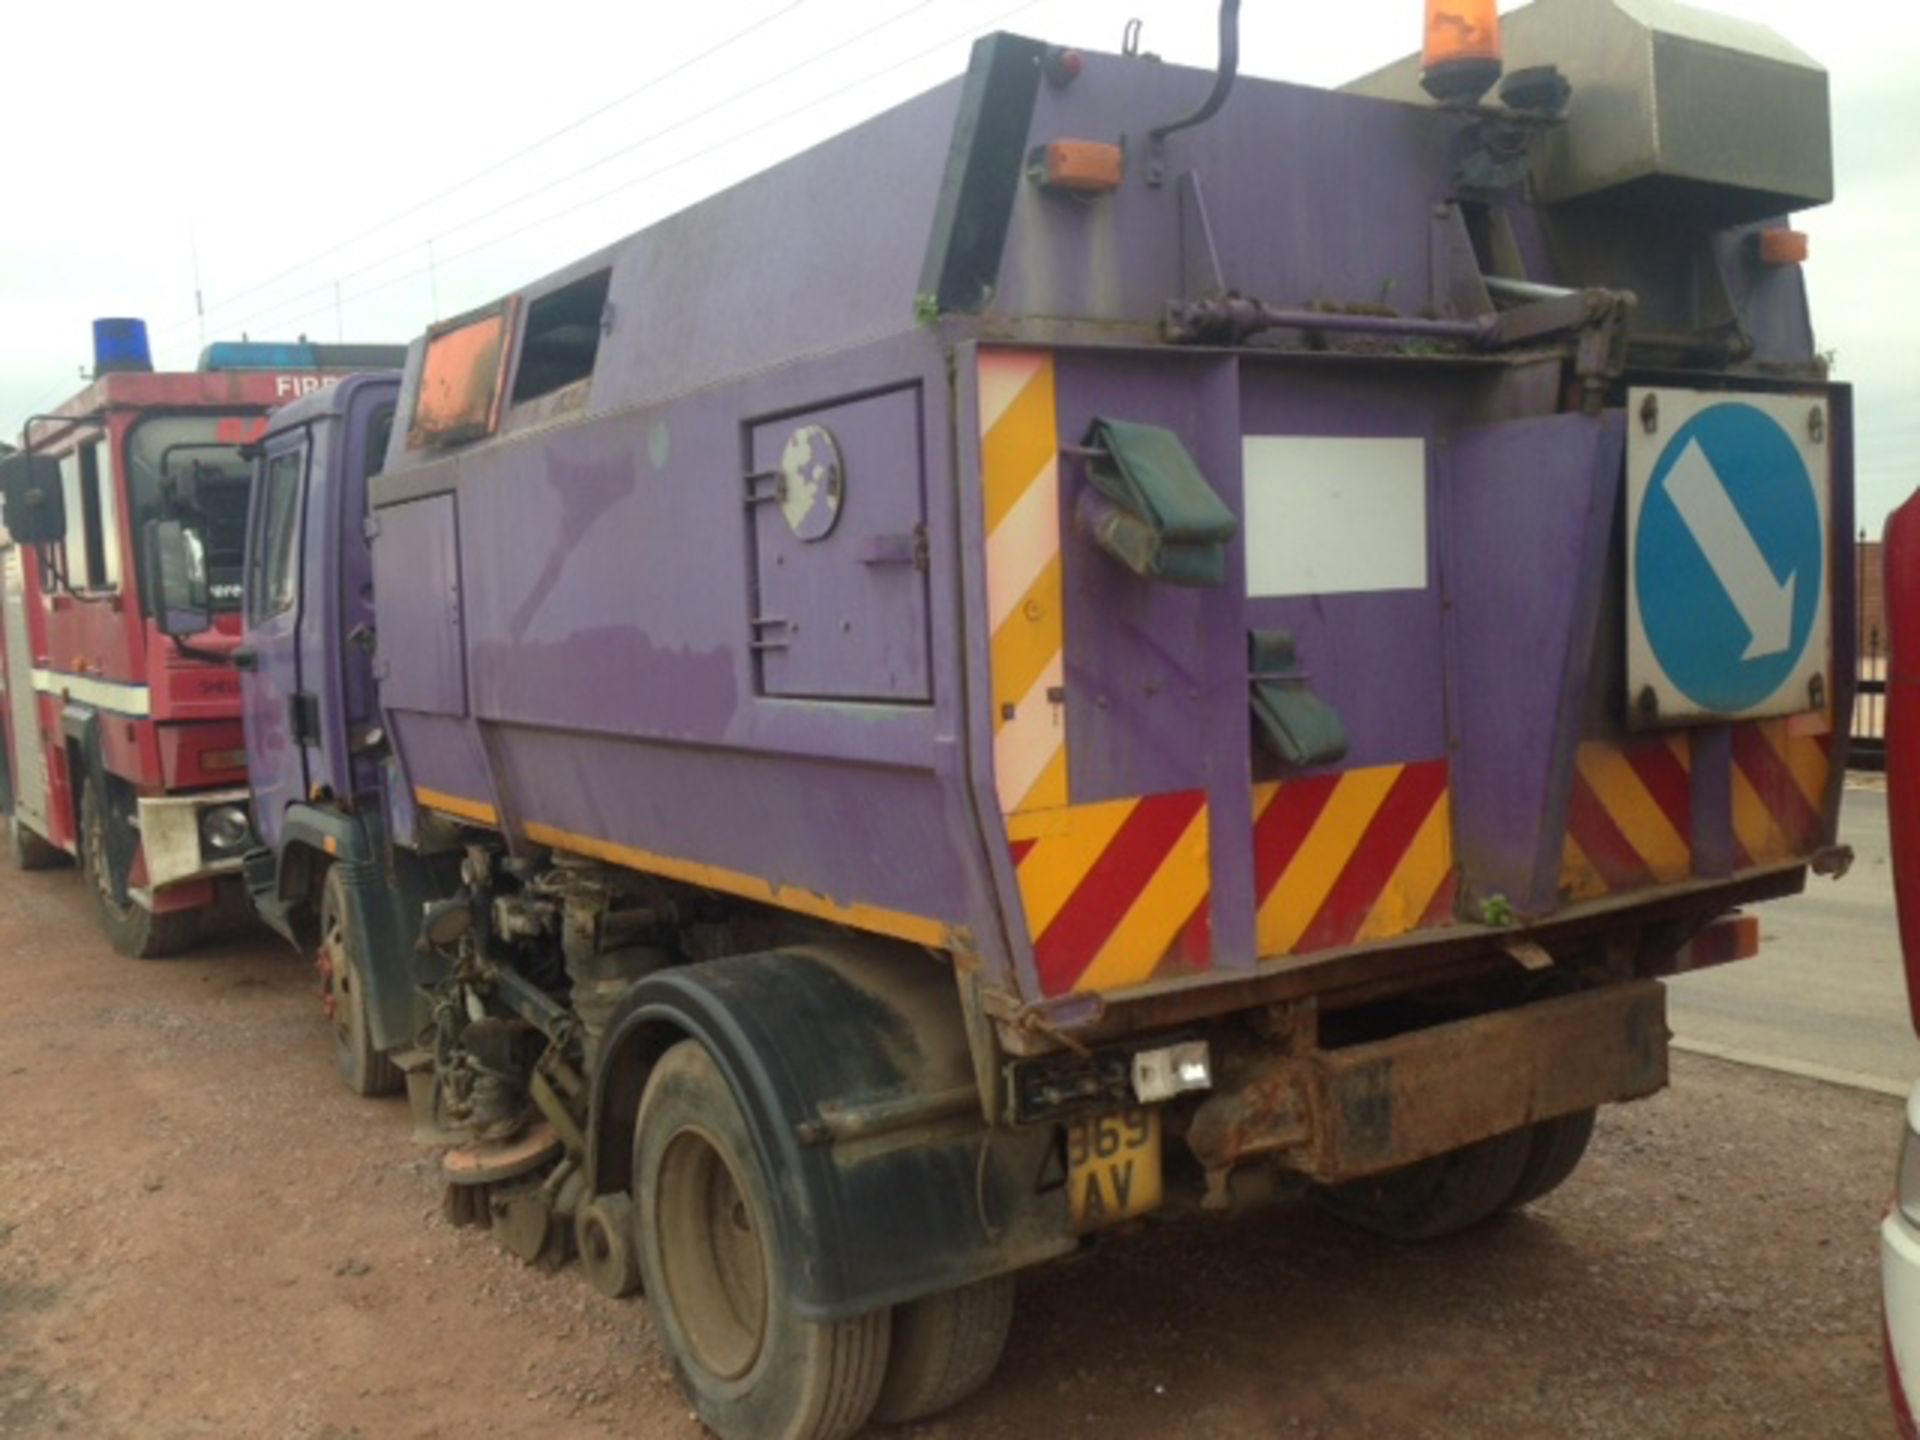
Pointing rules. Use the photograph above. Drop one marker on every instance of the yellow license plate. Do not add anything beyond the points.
(1113, 1166)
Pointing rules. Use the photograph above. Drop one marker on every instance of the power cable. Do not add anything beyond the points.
(971, 33)
(273, 310)
(671, 73)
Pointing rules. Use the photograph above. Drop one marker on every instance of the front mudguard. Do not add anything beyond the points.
(851, 1065)
(386, 888)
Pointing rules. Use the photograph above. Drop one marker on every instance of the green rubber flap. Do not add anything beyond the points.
(1297, 725)
(1151, 508)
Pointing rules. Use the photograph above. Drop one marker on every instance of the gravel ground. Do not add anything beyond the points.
(203, 1234)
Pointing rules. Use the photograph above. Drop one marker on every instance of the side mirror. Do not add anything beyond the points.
(33, 503)
(177, 575)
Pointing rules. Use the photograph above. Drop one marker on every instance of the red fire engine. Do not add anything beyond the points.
(123, 747)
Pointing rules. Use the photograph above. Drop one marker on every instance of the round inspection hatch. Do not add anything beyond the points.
(812, 482)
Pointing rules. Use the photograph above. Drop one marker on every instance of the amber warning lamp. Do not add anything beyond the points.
(1461, 58)
(1078, 167)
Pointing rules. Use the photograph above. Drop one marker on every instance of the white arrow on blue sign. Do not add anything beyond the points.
(1727, 515)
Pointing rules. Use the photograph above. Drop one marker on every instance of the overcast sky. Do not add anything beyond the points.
(356, 168)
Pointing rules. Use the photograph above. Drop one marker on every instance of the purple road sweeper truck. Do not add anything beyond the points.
(1115, 642)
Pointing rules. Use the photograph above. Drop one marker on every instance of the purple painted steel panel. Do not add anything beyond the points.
(277, 763)
(1529, 510)
(843, 614)
(803, 259)
(422, 663)
(1375, 657)
(1842, 561)
(1156, 674)
(441, 753)
(343, 771)
(614, 548)
(1150, 665)
(781, 818)
(1711, 780)
(304, 650)
(1312, 196)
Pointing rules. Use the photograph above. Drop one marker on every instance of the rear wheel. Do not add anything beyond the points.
(1439, 1196)
(715, 1279)
(1557, 1148)
(364, 1066)
(131, 928)
(944, 1348)
(30, 851)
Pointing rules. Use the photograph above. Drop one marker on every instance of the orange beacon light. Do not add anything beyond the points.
(1461, 57)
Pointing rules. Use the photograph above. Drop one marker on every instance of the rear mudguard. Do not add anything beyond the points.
(851, 1065)
(386, 890)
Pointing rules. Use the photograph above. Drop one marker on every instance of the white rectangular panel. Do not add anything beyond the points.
(1334, 516)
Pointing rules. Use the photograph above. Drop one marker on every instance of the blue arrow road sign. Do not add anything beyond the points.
(1728, 557)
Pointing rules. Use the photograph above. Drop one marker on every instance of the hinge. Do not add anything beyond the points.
(770, 632)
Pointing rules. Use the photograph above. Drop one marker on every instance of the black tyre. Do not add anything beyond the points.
(1556, 1150)
(130, 927)
(944, 1348)
(364, 1067)
(1441, 1196)
(29, 850)
(714, 1277)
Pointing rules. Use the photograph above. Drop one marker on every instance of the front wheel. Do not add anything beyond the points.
(714, 1276)
(131, 928)
(343, 971)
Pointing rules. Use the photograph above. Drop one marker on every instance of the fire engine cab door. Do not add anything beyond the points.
(279, 732)
(28, 773)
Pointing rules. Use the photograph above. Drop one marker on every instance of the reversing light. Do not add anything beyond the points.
(1159, 1075)
(1461, 57)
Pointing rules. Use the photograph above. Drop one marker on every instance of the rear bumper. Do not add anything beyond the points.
(1427, 958)
(1340, 1115)
(172, 841)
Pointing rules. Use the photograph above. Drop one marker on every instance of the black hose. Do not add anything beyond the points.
(1222, 80)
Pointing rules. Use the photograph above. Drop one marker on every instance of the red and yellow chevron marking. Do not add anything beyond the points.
(1361, 855)
(1020, 485)
(1630, 816)
(1114, 891)
(1779, 789)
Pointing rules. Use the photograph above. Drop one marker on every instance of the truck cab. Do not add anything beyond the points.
(316, 751)
(306, 661)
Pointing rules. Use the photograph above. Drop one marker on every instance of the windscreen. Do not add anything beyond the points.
(189, 468)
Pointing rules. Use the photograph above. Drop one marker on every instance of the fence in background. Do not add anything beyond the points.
(1869, 750)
